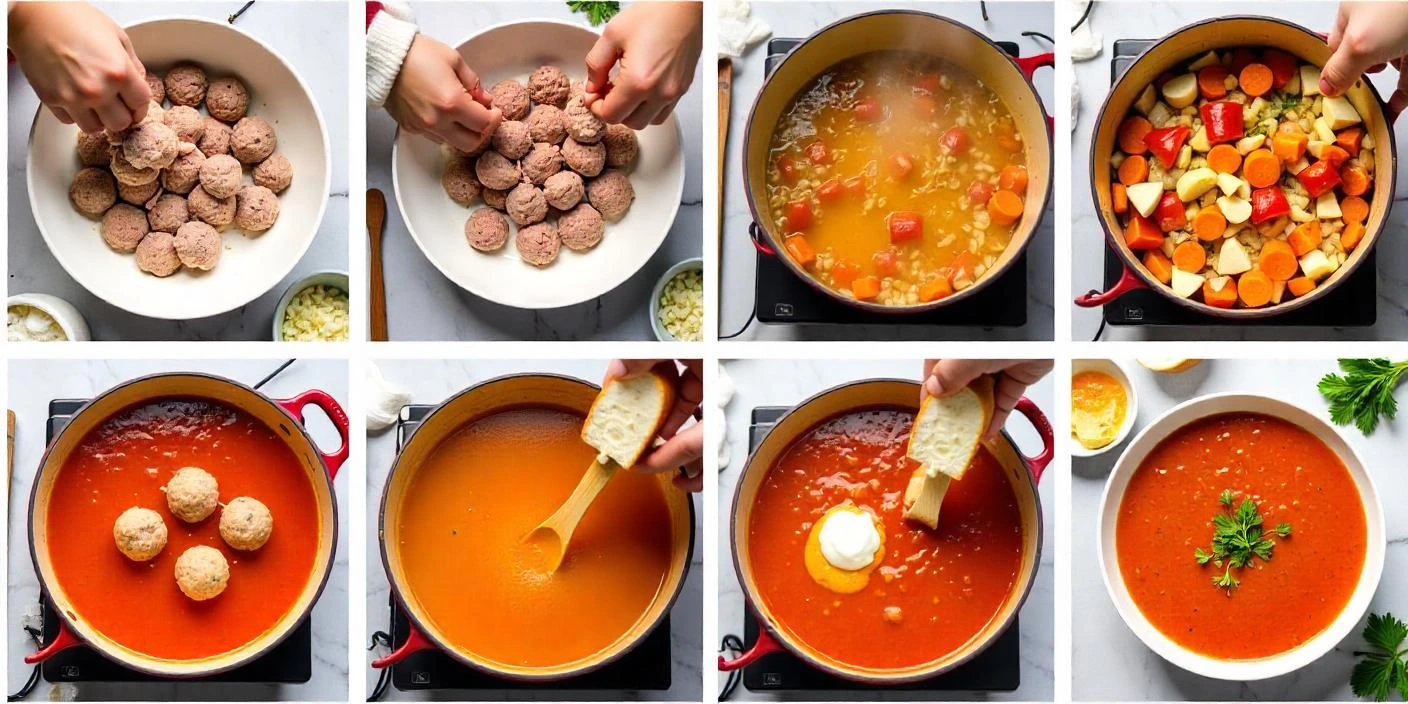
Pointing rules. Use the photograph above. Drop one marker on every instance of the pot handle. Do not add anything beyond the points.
(1028, 65)
(64, 640)
(415, 642)
(765, 644)
(1037, 464)
(1129, 281)
(755, 233)
(330, 406)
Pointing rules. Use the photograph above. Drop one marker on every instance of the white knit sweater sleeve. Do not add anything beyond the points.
(389, 37)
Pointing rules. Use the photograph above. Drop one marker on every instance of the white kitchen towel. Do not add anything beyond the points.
(738, 28)
(384, 399)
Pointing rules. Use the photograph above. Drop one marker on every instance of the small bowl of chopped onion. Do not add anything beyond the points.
(39, 317)
(677, 303)
(314, 309)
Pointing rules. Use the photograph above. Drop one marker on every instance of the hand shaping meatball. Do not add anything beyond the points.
(150, 145)
(582, 124)
(92, 191)
(192, 494)
(157, 85)
(486, 230)
(246, 523)
(140, 534)
(202, 572)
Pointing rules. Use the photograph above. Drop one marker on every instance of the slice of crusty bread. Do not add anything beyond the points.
(627, 415)
(945, 436)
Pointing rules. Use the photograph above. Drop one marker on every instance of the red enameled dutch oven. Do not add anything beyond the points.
(284, 417)
(1023, 473)
(905, 30)
(1180, 47)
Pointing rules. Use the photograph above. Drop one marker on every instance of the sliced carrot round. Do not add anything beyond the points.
(1134, 169)
(1132, 133)
(1354, 209)
(1190, 256)
(1261, 168)
(1209, 224)
(1005, 207)
(1224, 159)
(1256, 79)
(1255, 288)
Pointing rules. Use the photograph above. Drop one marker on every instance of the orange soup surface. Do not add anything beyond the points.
(1167, 511)
(125, 462)
(462, 526)
(947, 584)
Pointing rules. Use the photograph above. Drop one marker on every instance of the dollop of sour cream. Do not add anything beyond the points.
(849, 539)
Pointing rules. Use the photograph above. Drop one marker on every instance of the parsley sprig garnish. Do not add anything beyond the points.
(1237, 539)
(596, 11)
(1383, 669)
(1364, 393)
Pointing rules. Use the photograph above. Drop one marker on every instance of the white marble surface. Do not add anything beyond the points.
(778, 383)
(1152, 21)
(33, 384)
(433, 381)
(1108, 662)
(1007, 21)
(312, 36)
(421, 304)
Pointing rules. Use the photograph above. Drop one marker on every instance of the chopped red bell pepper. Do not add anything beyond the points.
(979, 192)
(1169, 214)
(1319, 178)
(1268, 204)
(1222, 120)
(1165, 143)
(905, 226)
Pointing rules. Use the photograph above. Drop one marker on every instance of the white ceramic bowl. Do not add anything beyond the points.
(1240, 670)
(1131, 405)
(436, 223)
(333, 279)
(63, 313)
(249, 266)
(695, 264)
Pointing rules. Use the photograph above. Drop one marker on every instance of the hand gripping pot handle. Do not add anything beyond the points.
(1038, 464)
(1028, 65)
(765, 645)
(330, 406)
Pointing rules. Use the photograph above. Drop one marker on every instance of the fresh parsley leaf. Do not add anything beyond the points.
(597, 12)
(1383, 669)
(1202, 556)
(1364, 393)
(1226, 498)
(1237, 539)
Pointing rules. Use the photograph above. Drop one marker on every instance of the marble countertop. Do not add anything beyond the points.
(769, 383)
(1108, 661)
(1006, 22)
(431, 382)
(33, 384)
(1087, 237)
(421, 304)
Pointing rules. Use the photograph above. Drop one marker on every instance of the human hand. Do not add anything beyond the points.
(945, 377)
(80, 63)
(682, 448)
(1366, 36)
(656, 45)
(438, 96)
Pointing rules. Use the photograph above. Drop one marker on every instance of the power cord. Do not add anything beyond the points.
(751, 316)
(1089, 7)
(732, 645)
(381, 638)
(33, 681)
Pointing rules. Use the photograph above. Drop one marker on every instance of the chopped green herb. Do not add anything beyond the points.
(1237, 540)
(597, 12)
(1384, 668)
(1364, 393)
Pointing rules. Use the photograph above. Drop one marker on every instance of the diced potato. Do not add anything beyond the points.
(1316, 265)
(1314, 147)
(1327, 207)
(1228, 183)
(1203, 61)
(1299, 214)
(1367, 142)
(1160, 114)
(1144, 197)
(1309, 80)
(1244, 191)
(1247, 145)
(1185, 156)
(1323, 131)
(1339, 114)
(1299, 166)
(1278, 291)
(1181, 91)
(1167, 247)
(1146, 100)
(1232, 259)
(1195, 183)
(1236, 209)
(1252, 110)
(1184, 283)
(1219, 283)
(1293, 86)
(1199, 140)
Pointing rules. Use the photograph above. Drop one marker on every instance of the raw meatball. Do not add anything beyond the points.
(154, 82)
(184, 173)
(459, 181)
(185, 85)
(486, 230)
(155, 115)
(582, 124)
(123, 227)
(132, 175)
(227, 99)
(563, 190)
(511, 98)
(92, 191)
(216, 138)
(253, 140)
(577, 91)
(202, 572)
(538, 244)
(168, 213)
(151, 145)
(511, 139)
(216, 212)
(526, 204)
(549, 86)
(246, 523)
(495, 198)
(156, 254)
(192, 494)
(198, 245)
(188, 124)
(140, 534)
(544, 161)
(140, 195)
(621, 145)
(585, 159)
(548, 124)
(496, 172)
(93, 149)
(221, 176)
(581, 228)
(274, 173)
(256, 209)
(611, 194)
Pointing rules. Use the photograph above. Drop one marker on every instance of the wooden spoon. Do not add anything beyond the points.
(376, 225)
(553, 535)
(725, 101)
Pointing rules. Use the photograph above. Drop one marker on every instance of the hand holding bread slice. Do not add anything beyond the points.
(946, 434)
(627, 415)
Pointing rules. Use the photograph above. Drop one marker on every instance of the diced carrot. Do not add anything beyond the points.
(1132, 132)
(1120, 197)
(1226, 298)
(1335, 155)
(1005, 207)
(1224, 159)
(1209, 223)
(1354, 209)
(1351, 237)
(1300, 286)
(801, 250)
(1013, 178)
(1158, 265)
(1283, 67)
(1134, 169)
(1190, 256)
(1350, 139)
(1354, 180)
(935, 289)
(1305, 238)
(1211, 81)
(1142, 234)
(1254, 288)
(1289, 148)
(1261, 168)
(866, 288)
(844, 271)
(964, 266)
(1278, 260)
(1256, 80)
